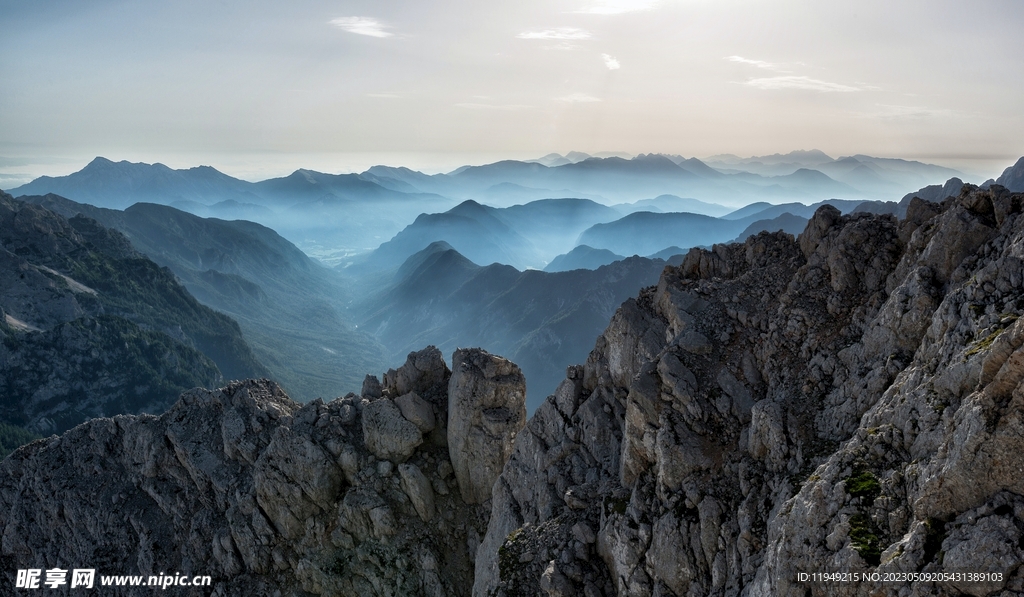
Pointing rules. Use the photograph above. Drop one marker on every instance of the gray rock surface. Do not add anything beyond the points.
(267, 496)
(854, 408)
(486, 409)
(387, 433)
(417, 411)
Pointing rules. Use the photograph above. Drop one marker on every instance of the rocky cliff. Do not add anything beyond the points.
(360, 496)
(845, 401)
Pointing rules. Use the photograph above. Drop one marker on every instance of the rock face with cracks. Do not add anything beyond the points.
(267, 496)
(848, 400)
(487, 407)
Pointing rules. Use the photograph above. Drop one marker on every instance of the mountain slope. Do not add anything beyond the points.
(1013, 177)
(786, 222)
(341, 211)
(935, 193)
(850, 396)
(672, 203)
(582, 257)
(93, 328)
(546, 321)
(119, 184)
(619, 179)
(471, 228)
(291, 309)
(645, 233)
(523, 236)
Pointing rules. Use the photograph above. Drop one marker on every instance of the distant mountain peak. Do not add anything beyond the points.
(653, 157)
(576, 156)
(99, 161)
(809, 154)
(1013, 177)
(438, 245)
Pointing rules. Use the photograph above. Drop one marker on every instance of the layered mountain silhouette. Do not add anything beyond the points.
(875, 177)
(645, 233)
(345, 211)
(291, 309)
(117, 185)
(335, 216)
(524, 236)
(672, 203)
(548, 320)
(582, 257)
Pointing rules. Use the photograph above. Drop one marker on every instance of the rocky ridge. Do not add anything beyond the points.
(846, 400)
(361, 495)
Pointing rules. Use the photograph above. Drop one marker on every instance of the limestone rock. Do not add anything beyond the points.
(854, 405)
(387, 433)
(486, 409)
(421, 371)
(418, 488)
(848, 400)
(417, 410)
(371, 387)
(268, 496)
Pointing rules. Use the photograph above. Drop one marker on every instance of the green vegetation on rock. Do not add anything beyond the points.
(864, 536)
(12, 438)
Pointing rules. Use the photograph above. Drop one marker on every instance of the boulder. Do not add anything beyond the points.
(387, 433)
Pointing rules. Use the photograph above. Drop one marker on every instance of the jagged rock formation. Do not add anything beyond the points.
(846, 401)
(487, 398)
(268, 496)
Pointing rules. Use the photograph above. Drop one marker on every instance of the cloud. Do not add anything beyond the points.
(615, 7)
(757, 63)
(800, 82)
(563, 33)
(503, 107)
(610, 62)
(578, 98)
(563, 45)
(362, 26)
(891, 112)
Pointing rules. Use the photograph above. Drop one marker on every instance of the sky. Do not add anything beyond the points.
(259, 88)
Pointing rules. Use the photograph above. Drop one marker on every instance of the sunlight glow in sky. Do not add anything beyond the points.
(938, 80)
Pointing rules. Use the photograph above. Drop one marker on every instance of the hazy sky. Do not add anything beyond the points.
(259, 88)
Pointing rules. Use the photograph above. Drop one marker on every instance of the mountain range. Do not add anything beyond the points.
(333, 216)
(291, 309)
(316, 330)
(524, 236)
(91, 328)
(547, 320)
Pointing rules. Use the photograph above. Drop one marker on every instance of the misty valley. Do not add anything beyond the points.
(333, 276)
